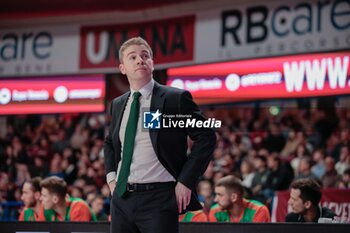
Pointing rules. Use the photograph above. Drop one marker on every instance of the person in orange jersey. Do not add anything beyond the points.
(33, 210)
(193, 216)
(54, 196)
(232, 207)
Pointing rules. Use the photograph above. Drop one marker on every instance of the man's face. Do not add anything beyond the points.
(295, 201)
(137, 63)
(28, 196)
(97, 205)
(223, 198)
(47, 199)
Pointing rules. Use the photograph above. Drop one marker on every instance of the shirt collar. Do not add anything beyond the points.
(146, 90)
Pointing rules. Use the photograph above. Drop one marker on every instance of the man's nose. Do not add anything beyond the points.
(140, 60)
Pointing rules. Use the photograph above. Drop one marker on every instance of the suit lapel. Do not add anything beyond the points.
(120, 111)
(157, 102)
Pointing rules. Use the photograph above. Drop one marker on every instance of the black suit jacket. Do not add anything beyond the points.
(170, 145)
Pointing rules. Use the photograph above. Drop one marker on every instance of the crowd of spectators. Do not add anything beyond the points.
(266, 150)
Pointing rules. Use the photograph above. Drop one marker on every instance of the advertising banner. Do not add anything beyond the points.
(215, 32)
(39, 51)
(294, 76)
(269, 28)
(171, 40)
(52, 95)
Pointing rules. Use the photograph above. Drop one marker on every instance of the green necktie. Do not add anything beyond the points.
(128, 147)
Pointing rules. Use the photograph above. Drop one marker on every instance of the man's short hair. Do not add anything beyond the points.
(133, 41)
(232, 184)
(56, 185)
(310, 190)
(35, 183)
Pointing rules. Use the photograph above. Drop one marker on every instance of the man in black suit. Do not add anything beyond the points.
(160, 176)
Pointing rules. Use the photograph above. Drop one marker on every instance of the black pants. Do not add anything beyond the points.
(153, 211)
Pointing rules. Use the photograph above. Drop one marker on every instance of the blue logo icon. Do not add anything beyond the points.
(151, 120)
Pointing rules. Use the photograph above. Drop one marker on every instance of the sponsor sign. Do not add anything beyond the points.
(52, 95)
(261, 29)
(269, 78)
(39, 51)
(170, 39)
(214, 33)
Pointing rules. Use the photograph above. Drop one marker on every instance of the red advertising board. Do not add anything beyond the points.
(294, 76)
(337, 200)
(170, 39)
(52, 95)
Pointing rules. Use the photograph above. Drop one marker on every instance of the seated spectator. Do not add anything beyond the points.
(233, 207)
(344, 160)
(260, 177)
(206, 195)
(331, 177)
(344, 183)
(319, 168)
(247, 173)
(304, 200)
(97, 208)
(54, 196)
(304, 170)
(33, 210)
(281, 173)
(301, 152)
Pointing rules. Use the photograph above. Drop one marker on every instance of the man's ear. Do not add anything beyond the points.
(122, 68)
(307, 204)
(233, 197)
(55, 199)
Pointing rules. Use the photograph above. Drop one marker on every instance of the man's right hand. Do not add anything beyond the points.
(112, 185)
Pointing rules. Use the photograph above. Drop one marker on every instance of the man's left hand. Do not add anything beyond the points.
(183, 196)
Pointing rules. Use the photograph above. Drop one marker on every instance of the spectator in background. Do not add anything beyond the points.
(305, 196)
(56, 166)
(54, 196)
(344, 160)
(233, 207)
(319, 168)
(247, 173)
(279, 178)
(96, 204)
(206, 195)
(293, 141)
(304, 170)
(344, 183)
(260, 177)
(331, 177)
(301, 152)
(275, 141)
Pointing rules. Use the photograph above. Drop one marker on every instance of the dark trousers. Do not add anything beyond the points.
(152, 211)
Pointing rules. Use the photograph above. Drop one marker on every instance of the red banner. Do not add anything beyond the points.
(170, 39)
(269, 78)
(52, 95)
(337, 200)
